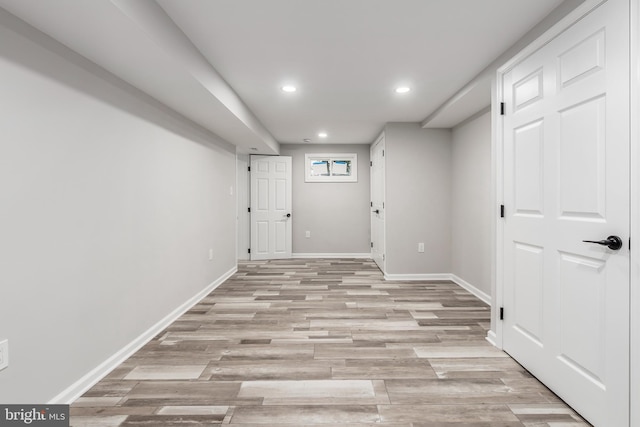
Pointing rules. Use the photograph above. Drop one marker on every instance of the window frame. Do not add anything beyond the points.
(331, 158)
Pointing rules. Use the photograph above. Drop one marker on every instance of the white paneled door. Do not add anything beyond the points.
(270, 207)
(566, 180)
(377, 203)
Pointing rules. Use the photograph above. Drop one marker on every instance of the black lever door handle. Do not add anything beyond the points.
(288, 215)
(377, 211)
(613, 242)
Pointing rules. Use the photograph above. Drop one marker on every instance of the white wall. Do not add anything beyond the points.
(418, 199)
(109, 206)
(336, 214)
(471, 202)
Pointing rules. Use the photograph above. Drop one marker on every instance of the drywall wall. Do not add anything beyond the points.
(336, 214)
(110, 205)
(471, 202)
(418, 199)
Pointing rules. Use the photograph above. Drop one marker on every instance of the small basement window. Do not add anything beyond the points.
(332, 167)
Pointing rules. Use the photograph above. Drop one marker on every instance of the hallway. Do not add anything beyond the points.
(324, 342)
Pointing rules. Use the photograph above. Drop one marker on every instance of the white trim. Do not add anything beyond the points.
(382, 240)
(77, 389)
(243, 217)
(330, 255)
(634, 357)
(481, 295)
(415, 277)
(497, 225)
(491, 337)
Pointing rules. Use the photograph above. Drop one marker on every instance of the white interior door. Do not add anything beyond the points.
(566, 179)
(377, 203)
(270, 207)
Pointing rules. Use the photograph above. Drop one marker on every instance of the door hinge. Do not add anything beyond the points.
(501, 211)
(629, 243)
(248, 168)
(371, 204)
(502, 108)
(371, 244)
(501, 313)
(370, 163)
(383, 257)
(249, 250)
(248, 209)
(382, 153)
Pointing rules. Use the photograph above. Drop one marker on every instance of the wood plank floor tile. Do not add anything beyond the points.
(307, 389)
(90, 421)
(268, 371)
(108, 411)
(324, 342)
(193, 410)
(459, 391)
(450, 352)
(503, 367)
(189, 372)
(305, 414)
(173, 420)
(97, 401)
(448, 413)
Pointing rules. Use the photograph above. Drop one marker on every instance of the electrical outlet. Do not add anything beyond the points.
(210, 254)
(4, 354)
(421, 247)
(307, 234)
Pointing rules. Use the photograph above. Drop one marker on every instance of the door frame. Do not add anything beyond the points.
(380, 138)
(635, 209)
(243, 194)
(495, 335)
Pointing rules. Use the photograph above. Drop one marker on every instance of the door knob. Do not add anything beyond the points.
(288, 215)
(613, 242)
(377, 211)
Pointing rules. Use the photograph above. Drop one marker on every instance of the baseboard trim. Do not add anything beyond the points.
(492, 338)
(443, 276)
(483, 296)
(77, 389)
(331, 255)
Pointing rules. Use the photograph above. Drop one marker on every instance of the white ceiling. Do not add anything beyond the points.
(345, 56)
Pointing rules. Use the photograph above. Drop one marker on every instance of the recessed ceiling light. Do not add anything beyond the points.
(403, 89)
(322, 134)
(289, 88)
(306, 140)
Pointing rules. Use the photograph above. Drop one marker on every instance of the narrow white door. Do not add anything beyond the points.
(377, 203)
(566, 179)
(270, 207)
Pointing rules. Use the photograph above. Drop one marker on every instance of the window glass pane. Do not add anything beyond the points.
(319, 167)
(341, 168)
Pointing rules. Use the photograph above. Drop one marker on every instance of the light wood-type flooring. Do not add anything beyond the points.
(324, 343)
